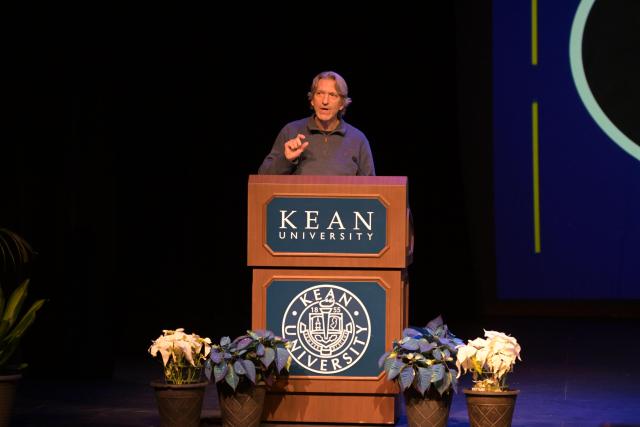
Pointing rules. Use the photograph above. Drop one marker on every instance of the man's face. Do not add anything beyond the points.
(326, 101)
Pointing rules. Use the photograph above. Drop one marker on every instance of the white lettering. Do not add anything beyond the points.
(370, 236)
(284, 219)
(316, 294)
(304, 300)
(335, 364)
(290, 330)
(330, 295)
(358, 216)
(311, 360)
(311, 219)
(336, 220)
(323, 365)
(345, 300)
(294, 345)
(357, 341)
(359, 329)
(347, 358)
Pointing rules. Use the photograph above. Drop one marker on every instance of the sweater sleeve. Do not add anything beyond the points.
(365, 160)
(276, 163)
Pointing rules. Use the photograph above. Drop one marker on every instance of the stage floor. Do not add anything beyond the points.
(574, 373)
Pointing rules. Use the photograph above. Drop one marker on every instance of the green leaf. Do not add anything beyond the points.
(395, 368)
(7, 349)
(423, 379)
(282, 357)
(410, 344)
(269, 356)
(405, 379)
(434, 324)
(4, 327)
(388, 363)
(444, 384)
(232, 378)
(14, 304)
(26, 320)
(382, 359)
(239, 368)
(411, 332)
(220, 371)
(243, 343)
(208, 369)
(249, 370)
(438, 373)
(426, 346)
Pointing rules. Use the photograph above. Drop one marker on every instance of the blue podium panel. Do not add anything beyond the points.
(335, 327)
(339, 322)
(338, 225)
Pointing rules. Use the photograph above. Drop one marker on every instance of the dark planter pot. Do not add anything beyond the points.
(180, 405)
(430, 410)
(242, 408)
(490, 408)
(8, 385)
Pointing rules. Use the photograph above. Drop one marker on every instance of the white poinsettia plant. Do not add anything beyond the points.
(489, 359)
(183, 355)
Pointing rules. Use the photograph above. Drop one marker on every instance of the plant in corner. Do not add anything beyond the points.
(181, 392)
(15, 257)
(422, 364)
(490, 401)
(257, 358)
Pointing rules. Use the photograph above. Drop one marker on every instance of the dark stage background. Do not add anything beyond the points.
(129, 136)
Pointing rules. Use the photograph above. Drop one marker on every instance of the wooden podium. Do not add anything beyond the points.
(329, 257)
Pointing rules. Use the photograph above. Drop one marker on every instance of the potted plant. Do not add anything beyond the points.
(242, 368)
(181, 392)
(423, 365)
(490, 402)
(15, 256)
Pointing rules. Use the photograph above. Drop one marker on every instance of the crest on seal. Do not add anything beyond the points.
(329, 329)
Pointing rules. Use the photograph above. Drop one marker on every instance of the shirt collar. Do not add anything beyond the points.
(313, 127)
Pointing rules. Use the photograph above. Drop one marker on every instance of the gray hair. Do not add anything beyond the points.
(341, 87)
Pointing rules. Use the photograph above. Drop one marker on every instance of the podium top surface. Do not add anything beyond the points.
(328, 180)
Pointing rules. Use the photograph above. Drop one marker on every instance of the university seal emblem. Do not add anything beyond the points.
(329, 329)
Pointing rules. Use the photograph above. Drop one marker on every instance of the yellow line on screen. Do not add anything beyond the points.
(536, 175)
(534, 32)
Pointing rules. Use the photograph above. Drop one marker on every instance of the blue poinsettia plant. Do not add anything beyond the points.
(424, 358)
(259, 356)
